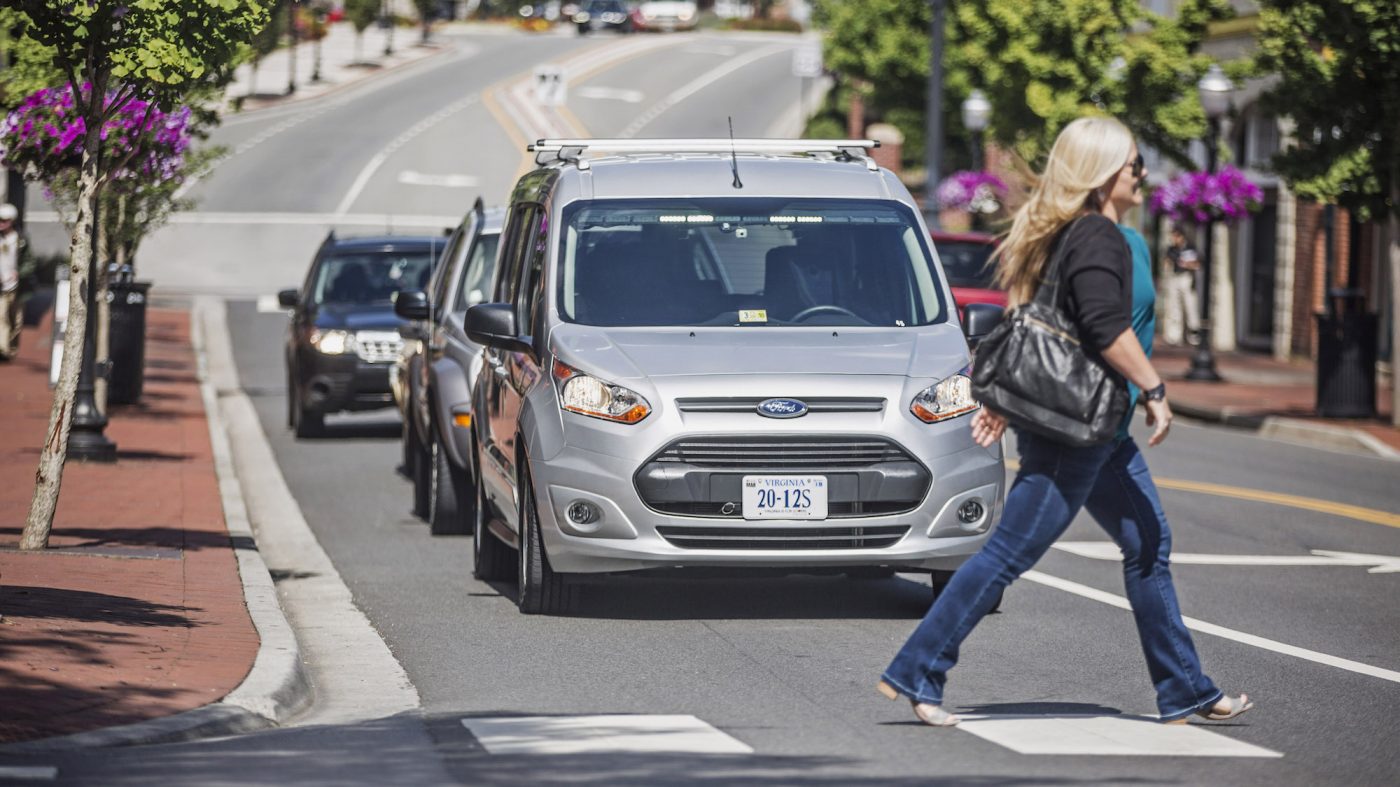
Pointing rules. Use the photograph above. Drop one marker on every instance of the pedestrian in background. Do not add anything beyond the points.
(1180, 291)
(1093, 175)
(14, 278)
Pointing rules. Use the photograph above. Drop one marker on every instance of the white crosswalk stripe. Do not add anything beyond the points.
(1120, 736)
(601, 734)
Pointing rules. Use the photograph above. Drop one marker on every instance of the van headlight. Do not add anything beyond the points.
(332, 342)
(587, 395)
(947, 399)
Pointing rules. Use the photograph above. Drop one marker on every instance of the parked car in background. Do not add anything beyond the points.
(344, 335)
(965, 257)
(437, 437)
(680, 373)
(598, 15)
(666, 15)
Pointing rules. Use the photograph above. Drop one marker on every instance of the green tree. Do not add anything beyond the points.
(160, 50)
(1338, 67)
(1041, 63)
(361, 14)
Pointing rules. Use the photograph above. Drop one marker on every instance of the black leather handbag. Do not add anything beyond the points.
(1032, 369)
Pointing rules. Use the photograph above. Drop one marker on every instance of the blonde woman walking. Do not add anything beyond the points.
(1092, 176)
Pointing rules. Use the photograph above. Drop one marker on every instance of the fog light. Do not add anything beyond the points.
(971, 511)
(581, 512)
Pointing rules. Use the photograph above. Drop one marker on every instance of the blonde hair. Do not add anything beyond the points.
(1087, 153)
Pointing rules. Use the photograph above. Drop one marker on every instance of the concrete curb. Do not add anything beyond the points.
(277, 685)
(1292, 430)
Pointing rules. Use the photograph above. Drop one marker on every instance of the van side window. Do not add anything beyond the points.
(532, 283)
(517, 232)
(442, 276)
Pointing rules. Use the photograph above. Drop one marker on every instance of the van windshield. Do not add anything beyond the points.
(746, 262)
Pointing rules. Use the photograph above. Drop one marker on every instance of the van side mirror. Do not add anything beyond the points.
(411, 304)
(978, 320)
(493, 324)
(288, 299)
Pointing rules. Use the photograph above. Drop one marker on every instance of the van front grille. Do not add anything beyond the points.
(783, 452)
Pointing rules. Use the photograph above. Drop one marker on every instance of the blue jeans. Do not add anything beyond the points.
(1112, 481)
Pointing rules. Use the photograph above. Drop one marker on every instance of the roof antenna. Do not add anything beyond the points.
(734, 156)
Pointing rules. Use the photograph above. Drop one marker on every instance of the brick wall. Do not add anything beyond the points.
(1310, 285)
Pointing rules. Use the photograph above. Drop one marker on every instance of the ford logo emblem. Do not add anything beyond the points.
(782, 408)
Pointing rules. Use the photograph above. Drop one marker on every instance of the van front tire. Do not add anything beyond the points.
(541, 590)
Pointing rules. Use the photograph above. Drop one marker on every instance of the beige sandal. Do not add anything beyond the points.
(1237, 706)
(932, 715)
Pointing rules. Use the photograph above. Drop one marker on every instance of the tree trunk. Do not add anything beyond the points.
(253, 78)
(55, 450)
(102, 348)
(359, 48)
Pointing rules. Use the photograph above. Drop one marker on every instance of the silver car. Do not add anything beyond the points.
(721, 353)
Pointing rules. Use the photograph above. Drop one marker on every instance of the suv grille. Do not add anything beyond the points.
(783, 453)
(783, 537)
(377, 346)
(749, 404)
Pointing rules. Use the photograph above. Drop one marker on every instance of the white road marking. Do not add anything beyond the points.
(1107, 550)
(611, 93)
(314, 219)
(407, 136)
(691, 88)
(1123, 736)
(722, 50)
(1221, 631)
(601, 734)
(452, 181)
(31, 772)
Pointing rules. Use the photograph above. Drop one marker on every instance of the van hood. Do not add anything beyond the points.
(632, 353)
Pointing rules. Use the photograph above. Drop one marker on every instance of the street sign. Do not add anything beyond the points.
(807, 61)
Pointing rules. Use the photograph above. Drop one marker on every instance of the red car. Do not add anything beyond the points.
(965, 257)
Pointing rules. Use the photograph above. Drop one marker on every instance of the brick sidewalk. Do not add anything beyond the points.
(136, 611)
(1258, 387)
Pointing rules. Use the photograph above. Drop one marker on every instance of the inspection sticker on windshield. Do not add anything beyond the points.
(785, 497)
(753, 315)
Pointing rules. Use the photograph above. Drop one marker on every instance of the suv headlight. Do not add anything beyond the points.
(587, 395)
(333, 342)
(947, 399)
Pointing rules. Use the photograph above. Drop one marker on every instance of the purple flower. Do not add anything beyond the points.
(1198, 197)
(974, 191)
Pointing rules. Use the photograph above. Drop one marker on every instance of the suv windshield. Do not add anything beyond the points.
(370, 277)
(747, 261)
(965, 263)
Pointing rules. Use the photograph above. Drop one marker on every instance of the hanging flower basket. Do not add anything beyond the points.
(1198, 197)
(973, 192)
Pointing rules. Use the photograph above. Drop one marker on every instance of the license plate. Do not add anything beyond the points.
(785, 497)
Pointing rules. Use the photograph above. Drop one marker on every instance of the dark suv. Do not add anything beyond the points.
(439, 378)
(344, 334)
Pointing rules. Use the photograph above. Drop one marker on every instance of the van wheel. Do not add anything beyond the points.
(418, 472)
(447, 512)
(541, 591)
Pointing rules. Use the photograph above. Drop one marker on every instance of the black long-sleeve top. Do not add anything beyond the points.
(1096, 288)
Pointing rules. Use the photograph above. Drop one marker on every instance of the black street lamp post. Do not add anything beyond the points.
(933, 141)
(292, 49)
(976, 112)
(1215, 89)
(86, 442)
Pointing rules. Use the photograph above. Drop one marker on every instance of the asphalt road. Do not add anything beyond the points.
(786, 666)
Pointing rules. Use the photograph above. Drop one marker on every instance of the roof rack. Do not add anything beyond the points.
(572, 150)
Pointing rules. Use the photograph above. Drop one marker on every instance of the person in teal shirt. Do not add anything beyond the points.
(1144, 309)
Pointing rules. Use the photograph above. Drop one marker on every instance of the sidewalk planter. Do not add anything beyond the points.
(128, 341)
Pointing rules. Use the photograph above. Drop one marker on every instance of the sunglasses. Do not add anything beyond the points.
(1139, 166)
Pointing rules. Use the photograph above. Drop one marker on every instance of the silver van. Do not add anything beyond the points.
(737, 353)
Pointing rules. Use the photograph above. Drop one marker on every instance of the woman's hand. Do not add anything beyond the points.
(1159, 415)
(988, 427)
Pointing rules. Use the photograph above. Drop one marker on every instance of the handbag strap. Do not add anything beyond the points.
(1052, 271)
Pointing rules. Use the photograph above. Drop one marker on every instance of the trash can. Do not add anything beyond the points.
(1346, 357)
(127, 340)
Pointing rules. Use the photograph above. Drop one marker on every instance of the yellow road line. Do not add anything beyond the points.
(1361, 514)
